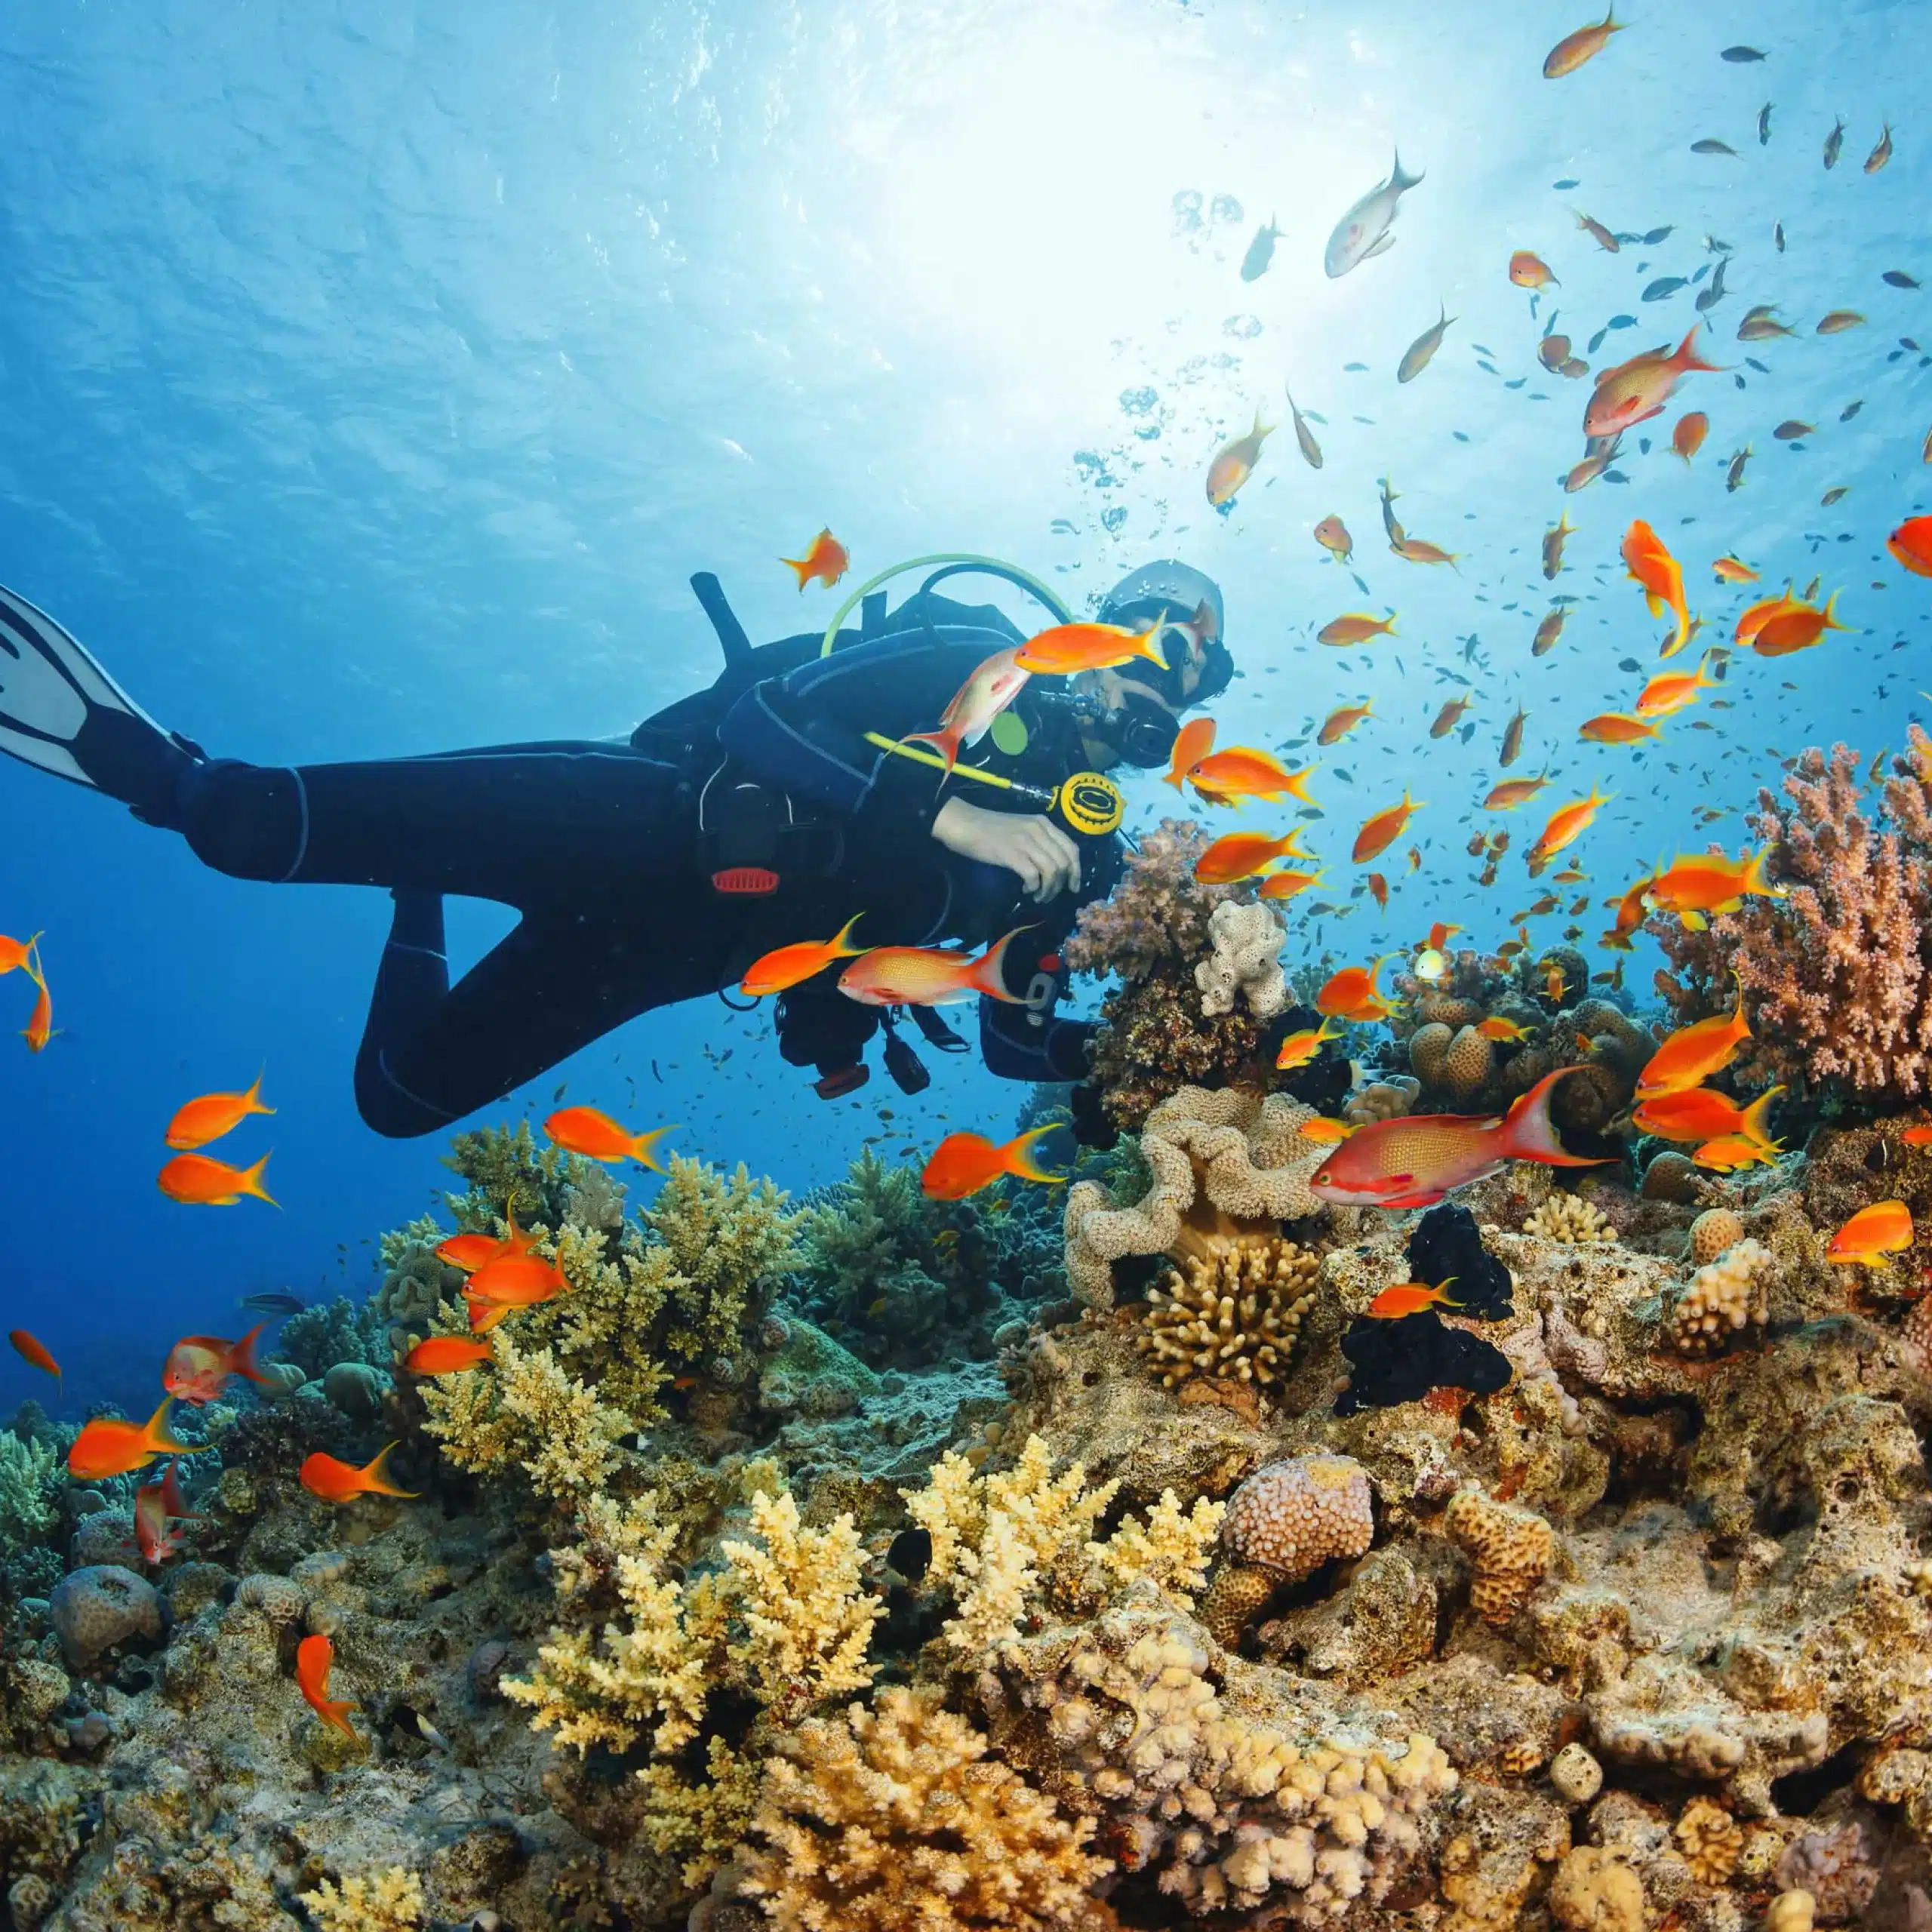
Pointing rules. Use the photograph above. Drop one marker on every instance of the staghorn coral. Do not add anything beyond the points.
(1510, 1547)
(1836, 976)
(1152, 931)
(1245, 965)
(1569, 1217)
(1283, 1523)
(1236, 1312)
(1218, 1160)
(1720, 1300)
(392, 1901)
(897, 1817)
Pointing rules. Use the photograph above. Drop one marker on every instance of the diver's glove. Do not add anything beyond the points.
(1091, 1127)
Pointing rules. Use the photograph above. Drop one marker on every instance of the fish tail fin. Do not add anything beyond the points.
(241, 1360)
(945, 743)
(988, 973)
(801, 567)
(1687, 357)
(643, 1147)
(841, 946)
(155, 1439)
(1529, 1134)
(252, 1101)
(1148, 644)
(1756, 1124)
(1757, 875)
(1398, 180)
(1018, 1160)
(250, 1182)
(375, 1474)
(337, 1713)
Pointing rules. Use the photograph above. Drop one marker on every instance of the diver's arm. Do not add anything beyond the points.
(1046, 859)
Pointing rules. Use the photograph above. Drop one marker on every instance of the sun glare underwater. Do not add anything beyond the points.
(1017, 900)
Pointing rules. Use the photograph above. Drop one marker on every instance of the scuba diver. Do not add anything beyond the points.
(769, 808)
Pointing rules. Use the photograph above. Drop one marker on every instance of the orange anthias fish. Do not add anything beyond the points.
(1796, 627)
(199, 1180)
(826, 560)
(1884, 1228)
(108, 1447)
(1411, 1298)
(1449, 717)
(1324, 1131)
(1634, 391)
(1630, 911)
(928, 975)
(1567, 824)
(1573, 49)
(152, 1536)
(1242, 771)
(198, 1366)
(1414, 1161)
(1692, 1054)
(1286, 884)
(1671, 691)
(16, 954)
(1911, 543)
(593, 1133)
(470, 1252)
(1299, 1049)
(1379, 832)
(30, 1348)
(1194, 741)
(1687, 439)
(1506, 1031)
(517, 1279)
(1355, 627)
(1068, 649)
(214, 1115)
(1651, 565)
(39, 1029)
(1238, 855)
(995, 682)
(1756, 615)
(1342, 721)
(1378, 887)
(1617, 727)
(1707, 883)
(1332, 533)
(1352, 994)
(445, 1355)
(962, 1164)
(337, 1481)
(1511, 793)
(314, 1657)
(1697, 1113)
(1733, 570)
(1529, 271)
(1234, 464)
(1731, 1152)
(785, 967)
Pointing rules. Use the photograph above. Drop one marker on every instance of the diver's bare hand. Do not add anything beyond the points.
(1046, 860)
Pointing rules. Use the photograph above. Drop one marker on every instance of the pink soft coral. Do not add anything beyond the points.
(1836, 975)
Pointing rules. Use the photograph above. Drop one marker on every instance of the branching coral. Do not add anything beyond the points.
(1236, 1313)
(1569, 1217)
(1837, 975)
(30, 1488)
(392, 1901)
(1720, 1300)
(895, 1818)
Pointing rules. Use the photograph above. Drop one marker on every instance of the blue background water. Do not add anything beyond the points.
(375, 375)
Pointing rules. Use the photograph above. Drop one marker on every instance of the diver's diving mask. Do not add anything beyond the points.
(1140, 728)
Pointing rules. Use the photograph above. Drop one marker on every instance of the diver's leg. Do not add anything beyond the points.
(432, 1053)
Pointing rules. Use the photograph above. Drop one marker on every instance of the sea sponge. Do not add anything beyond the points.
(1245, 962)
(1283, 1523)
(885, 1819)
(1594, 1891)
(1795, 1910)
(1218, 1159)
(1713, 1232)
(1569, 1217)
(1576, 1774)
(1711, 1840)
(1511, 1548)
(392, 1901)
(1720, 1300)
(1467, 1063)
(1236, 1312)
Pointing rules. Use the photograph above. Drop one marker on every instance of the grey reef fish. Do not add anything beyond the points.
(1260, 252)
(1416, 357)
(1364, 230)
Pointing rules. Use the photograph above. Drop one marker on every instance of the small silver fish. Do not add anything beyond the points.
(1260, 252)
(1898, 278)
(1396, 534)
(1416, 357)
(1708, 146)
(1713, 293)
(270, 1302)
(1777, 235)
(1364, 230)
(1664, 285)
(1834, 141)
(1764, 125)
(1304, 435)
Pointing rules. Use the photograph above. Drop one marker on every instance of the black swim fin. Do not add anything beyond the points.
(61, 711)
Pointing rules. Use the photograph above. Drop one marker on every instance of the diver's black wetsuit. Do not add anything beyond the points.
(607, 849)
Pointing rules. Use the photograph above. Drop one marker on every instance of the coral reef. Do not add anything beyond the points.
(1510, 1547)
(1836, 975)
(1245, 967)
(1236, 1313)
(1283, 1523)
(1569, 1217)
(1720, 1300)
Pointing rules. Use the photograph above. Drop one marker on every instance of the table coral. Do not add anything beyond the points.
(1236, 1313)
(1836, 975)
(1283, 1523)
(896, 1817)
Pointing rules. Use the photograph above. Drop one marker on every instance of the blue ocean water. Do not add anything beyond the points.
(377, 374)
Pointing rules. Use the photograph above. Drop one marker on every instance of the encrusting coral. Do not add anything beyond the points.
(1836, 974)
(1236, 1312)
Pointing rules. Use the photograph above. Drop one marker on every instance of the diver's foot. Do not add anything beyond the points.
(133, 760)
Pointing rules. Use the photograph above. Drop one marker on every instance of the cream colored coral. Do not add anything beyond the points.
(1794, 1911)
(1467, 1064)
(526, 1410)
(1720, 1301)
(1429, 1052)
(1284, 1522)
(1714, 1231)
(1594, 1891)
(1220, 1158)
(1171, 1552)
(1245, 963)
(392, 1901)
(1710, 1839)
(1569, 1217)
(895, 1818)
(1236, 1313)
(1511, 1548)
(1382, 1099)
(702, 1823)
